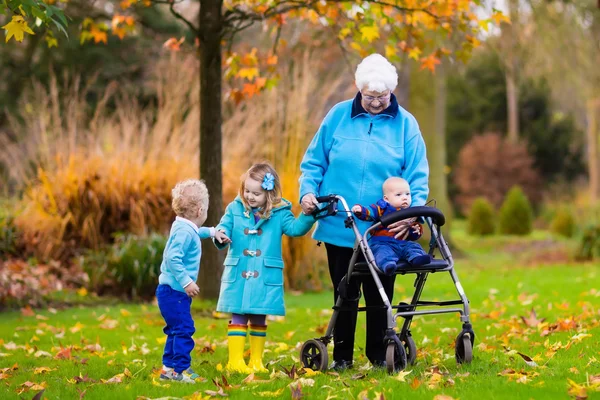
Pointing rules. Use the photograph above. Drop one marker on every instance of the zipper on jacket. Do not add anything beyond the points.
(370, 127)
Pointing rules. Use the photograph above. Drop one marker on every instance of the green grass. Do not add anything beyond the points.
(500, 285)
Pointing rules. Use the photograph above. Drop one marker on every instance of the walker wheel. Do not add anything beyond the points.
(313, 355)
(464, 348)
(410, 347)
(395, 357)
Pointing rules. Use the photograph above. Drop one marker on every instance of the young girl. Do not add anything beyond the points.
(252, 281)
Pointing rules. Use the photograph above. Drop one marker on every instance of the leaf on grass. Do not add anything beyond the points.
(43, 370)
(532, 320)
(79, 379)
(358, 376)
(528, 360)
(401, 375)
(576, 390)
(39, 394)
(27, 311)
(307, 372)
(76, 328)
(64, 354)
(578, 338)
(443, 397)
(296, 390)
(277, 393)
(415, 383)
(42, 353)
(291, 373)
(27, 386)
(220, 393)
(109, 324)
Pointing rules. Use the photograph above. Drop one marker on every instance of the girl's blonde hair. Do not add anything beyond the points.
(258, 172)
(188, 197)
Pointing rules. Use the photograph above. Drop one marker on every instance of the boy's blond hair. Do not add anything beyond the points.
(188, 197)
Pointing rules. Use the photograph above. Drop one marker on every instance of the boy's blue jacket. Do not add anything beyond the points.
(353, 153)
(181, 258)
(252, 281)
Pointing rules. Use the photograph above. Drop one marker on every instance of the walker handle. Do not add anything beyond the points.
(422, 211)
(329, 209)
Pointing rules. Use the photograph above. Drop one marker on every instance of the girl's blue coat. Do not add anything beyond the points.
(252, 283)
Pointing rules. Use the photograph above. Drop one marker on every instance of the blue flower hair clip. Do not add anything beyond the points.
(268, 182)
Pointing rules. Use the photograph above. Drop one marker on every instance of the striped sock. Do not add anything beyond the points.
(258, 330)
(237, 330)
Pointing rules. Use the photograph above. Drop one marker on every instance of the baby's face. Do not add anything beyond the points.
(397, 194)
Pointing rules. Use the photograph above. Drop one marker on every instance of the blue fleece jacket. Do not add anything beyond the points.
(181, 258)
(353, 153)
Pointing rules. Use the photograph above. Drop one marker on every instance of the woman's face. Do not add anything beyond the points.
(375, 102)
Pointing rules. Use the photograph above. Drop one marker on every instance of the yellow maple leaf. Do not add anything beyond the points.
(17, 28)
(498, 18)
(390, 51)
(248, 73)
(414, 53)
(369, 33)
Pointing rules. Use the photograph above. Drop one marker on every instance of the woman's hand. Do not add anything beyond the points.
(401, 228)
(309, 203)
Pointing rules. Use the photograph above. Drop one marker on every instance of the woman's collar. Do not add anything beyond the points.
(358, 109)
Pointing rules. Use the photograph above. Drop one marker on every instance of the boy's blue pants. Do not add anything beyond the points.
(392, 251)
(175, 307)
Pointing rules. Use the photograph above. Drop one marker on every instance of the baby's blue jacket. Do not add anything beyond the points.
(181, 258)
(353, 153)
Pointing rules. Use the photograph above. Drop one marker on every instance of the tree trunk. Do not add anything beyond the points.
(210, 137)
(511, 71)
(512, 101)
(592, 139)
(428, 105)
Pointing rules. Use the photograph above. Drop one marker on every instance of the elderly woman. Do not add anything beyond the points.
(361, 143)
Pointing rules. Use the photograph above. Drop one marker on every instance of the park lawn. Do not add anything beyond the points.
(71, 352)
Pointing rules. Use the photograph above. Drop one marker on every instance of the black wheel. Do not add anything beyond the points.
(464, 348)
(313, 355)
(410, 348)
(395, 357)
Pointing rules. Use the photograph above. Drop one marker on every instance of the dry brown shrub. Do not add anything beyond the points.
(488, 166)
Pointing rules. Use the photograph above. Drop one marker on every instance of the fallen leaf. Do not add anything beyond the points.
(27, 312)
(532, 320)
(528, 360)
(277, 393)
(41, 353)
(43, 370)
(401, 375)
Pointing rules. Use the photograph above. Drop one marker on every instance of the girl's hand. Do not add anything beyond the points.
(222, 237)
(356, 209)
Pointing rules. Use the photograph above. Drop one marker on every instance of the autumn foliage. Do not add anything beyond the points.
(488, 166)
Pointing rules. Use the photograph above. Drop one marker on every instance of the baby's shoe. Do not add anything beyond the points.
(419, 261)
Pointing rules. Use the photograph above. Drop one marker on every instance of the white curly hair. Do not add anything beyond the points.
(188, 197)
(376, 73)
